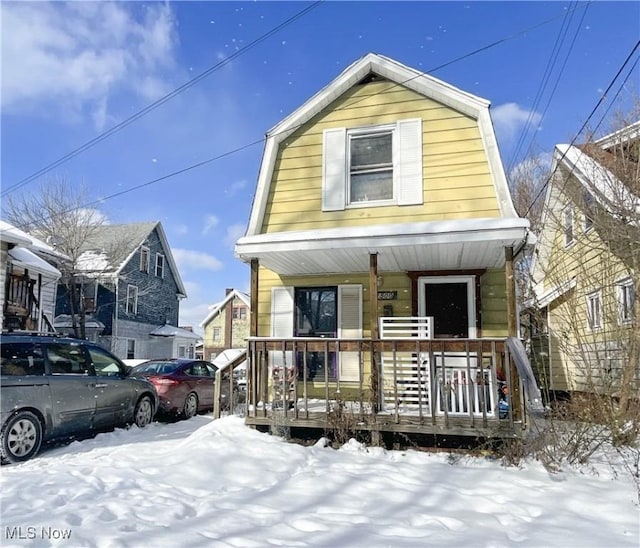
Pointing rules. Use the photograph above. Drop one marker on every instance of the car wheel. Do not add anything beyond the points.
(143, 413)
(190, 405)
(21, 437)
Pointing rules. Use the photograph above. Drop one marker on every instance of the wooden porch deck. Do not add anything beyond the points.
(405, 385)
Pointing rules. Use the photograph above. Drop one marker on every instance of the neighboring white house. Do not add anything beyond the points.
(29, 283)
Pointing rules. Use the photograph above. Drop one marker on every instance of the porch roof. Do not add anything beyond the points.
(437, 245)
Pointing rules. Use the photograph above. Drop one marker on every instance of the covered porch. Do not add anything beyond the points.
(409, 370)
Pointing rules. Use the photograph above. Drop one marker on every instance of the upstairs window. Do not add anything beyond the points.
(144, 259)
(567, 226)
(239, 313)
(160, 265)
(217, 334)
(372, 166)
(132, 299)
(594, 310)
(626, 301)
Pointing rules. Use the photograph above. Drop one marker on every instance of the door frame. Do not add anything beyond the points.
(470, 280)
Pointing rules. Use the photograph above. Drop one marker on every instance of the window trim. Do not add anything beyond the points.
(360, 133)
(160, 258)
(131, 347)
(216, 330)
(144, 265)
(589, 200)
(132, 289)
(594, 323)
(626, 307)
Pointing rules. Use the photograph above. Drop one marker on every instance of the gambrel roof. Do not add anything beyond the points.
(372, 63)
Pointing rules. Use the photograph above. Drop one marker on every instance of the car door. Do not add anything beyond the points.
(114, 396)
(203, 375)
(72, 387)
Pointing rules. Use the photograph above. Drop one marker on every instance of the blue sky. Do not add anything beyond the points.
(71, 71)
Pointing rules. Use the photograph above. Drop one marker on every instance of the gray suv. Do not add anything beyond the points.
(55, 387)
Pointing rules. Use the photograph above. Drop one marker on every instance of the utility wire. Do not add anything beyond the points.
(160, 101)
(389, 90)
(551, 63)
(584, 125)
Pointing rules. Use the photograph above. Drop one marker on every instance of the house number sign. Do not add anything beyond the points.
(387, 295)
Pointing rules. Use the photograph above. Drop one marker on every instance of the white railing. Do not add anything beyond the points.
(406, 328)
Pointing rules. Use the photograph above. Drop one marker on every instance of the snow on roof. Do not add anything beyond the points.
(222, 360)
(173, 331)
(609, 190)
(29, 260)
(216, 308)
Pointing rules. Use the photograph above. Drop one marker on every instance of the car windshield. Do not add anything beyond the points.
(161, 368)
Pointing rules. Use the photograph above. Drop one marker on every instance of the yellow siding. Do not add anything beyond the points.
(457, 178)
(493, 297)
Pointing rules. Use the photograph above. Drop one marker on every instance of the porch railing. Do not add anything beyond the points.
(404, 378)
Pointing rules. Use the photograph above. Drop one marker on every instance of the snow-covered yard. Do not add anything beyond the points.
(218, 483)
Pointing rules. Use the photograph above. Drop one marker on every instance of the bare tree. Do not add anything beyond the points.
(57, 214)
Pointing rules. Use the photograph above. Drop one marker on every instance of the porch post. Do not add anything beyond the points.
(375, 333)
(512, 326)
(512, 331)
(253, 313)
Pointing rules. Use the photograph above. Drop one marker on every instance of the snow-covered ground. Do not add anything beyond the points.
(218, 483)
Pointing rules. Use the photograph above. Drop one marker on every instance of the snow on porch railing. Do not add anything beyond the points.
(406, 328)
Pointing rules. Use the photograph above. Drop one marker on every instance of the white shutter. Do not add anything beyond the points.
(407, 168)
(334, 169)
(281, 323)
(349, 327)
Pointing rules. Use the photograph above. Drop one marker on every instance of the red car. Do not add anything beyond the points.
(185, 387)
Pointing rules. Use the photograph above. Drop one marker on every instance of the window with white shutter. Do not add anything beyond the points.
(281, 323)
(372, 166)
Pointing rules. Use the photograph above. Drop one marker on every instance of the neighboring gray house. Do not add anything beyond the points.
(132, 287)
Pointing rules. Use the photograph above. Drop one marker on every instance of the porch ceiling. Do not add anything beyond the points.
(441, 245)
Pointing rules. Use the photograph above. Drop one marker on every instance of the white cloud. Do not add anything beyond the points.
(210, 222)
(234, 232)
(235, 187)
(509, 118)
(189, 260)
(99, 47)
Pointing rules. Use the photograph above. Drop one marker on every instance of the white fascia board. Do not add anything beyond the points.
(13, 235)
(383, 236)
(264, 182)
(620, 136)
(496, 168)
(557, 291)
(182, 292)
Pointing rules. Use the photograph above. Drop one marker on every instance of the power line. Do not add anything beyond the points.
(551, 63)
(389, 90)
(160, 101)
(584, 125)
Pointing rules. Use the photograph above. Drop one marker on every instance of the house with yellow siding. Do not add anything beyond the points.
(381, 242)
(226, 326)
(585, 270)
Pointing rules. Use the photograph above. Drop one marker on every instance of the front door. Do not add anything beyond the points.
(450, 300)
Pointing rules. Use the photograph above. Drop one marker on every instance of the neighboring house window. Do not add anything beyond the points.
(132, 299)
(182, 351)
(239, 313)
(594, 311)
(144, 259)
(160, 265)
(626, 301)
(131, 349)
(567, 226)
(589, 202)
(216, 333)
(190, 352)
(373, 165)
